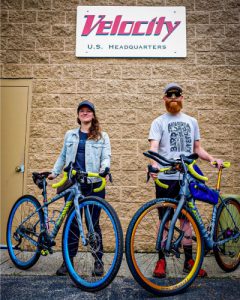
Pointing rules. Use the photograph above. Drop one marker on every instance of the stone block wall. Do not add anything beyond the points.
(38, 42)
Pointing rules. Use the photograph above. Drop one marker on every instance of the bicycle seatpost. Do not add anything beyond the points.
(44, 192)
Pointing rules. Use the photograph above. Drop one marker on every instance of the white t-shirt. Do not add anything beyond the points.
(176, 135)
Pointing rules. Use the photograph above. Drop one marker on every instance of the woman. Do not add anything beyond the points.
(89, 149)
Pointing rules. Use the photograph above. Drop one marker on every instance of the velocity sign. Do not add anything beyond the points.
(131, 31)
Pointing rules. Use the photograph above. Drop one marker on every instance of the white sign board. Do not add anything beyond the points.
(131, 31)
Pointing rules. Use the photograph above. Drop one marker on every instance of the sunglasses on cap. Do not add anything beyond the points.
(175, 93)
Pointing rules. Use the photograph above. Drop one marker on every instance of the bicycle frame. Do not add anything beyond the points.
(187, 200)
(73, 196)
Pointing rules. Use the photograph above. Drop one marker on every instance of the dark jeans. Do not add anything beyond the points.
(73, 239)
(171, 192)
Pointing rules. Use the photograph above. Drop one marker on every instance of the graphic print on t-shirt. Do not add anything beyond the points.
(180, 137)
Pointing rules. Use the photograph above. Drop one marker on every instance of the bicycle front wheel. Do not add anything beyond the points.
(228, 254)
(24, 226)
(94, 265)
(142, 255)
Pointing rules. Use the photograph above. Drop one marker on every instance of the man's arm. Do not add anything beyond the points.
(154, 147)
(203, 154)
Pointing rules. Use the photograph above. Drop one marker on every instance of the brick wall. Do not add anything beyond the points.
(38, 42)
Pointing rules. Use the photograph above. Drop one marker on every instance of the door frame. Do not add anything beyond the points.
(23, 83)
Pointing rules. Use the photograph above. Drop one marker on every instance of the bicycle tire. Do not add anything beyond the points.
(111, 237)
(224, 226)
(25, 256)
(141, 253)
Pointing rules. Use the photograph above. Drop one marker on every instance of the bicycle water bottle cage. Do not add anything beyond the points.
(202, 192)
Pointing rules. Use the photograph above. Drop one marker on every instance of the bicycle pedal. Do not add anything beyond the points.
(44, 252)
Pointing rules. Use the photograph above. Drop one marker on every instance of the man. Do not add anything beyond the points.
(172, 134)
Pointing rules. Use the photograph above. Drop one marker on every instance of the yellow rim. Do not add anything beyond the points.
(197, 259)
(233, 264)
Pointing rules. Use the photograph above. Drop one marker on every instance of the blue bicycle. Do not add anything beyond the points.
(170, 224)
(87, 236)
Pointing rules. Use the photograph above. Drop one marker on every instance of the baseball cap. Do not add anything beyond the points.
(172, 86)
(86, 103)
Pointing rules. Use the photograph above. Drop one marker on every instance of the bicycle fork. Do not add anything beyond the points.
(79, 218)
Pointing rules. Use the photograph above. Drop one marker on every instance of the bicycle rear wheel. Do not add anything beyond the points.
(228, 254)
(141, 253)
(104, 245)
(23, 231)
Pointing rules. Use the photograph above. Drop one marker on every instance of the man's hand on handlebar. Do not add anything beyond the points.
(216, 163)
(153, 175)
(152, 171)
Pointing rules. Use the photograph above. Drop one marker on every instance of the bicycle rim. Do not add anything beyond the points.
(142, 255)
(228, 254)
(104, 246)
(22, 236)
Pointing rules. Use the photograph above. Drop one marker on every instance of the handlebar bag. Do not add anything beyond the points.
(201, 192)
(65, 186)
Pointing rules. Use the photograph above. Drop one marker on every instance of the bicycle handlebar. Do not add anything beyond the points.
(151, 169)
(62, 181)
(225, 164)
(101, 175)
(194, 173)
(189, 161)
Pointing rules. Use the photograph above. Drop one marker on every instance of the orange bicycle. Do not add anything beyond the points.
(147, 235)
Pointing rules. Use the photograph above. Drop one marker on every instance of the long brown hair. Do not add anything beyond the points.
(95, 129)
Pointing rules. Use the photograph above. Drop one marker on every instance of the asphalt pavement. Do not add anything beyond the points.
(40, 282)
(53, 287)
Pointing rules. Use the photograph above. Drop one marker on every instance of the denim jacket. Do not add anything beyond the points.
(97, 153)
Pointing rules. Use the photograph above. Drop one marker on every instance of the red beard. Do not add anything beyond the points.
(173, 107)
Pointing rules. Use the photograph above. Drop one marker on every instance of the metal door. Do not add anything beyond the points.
(15, 104)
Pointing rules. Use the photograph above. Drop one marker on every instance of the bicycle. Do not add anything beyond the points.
(31, 233)
(182, 224)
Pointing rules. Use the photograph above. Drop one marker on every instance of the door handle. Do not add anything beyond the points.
(19, 169)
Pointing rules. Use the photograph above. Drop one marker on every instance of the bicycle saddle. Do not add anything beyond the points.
(39, 177)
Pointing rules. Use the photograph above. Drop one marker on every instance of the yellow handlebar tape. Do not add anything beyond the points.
(162, 185)
(194, 173)
(226, 164)
(102, 186)
(74, 172)
(61, 182)
(159, 183)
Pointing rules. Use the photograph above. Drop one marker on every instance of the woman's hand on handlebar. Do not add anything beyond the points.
(52, 176)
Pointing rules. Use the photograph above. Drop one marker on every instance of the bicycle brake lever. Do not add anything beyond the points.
(151, 169)
(148, 177)
(110, 177)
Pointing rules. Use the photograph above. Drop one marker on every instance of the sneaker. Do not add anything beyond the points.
(98, 268)
(160, 269)
(62, 271)
(188, 267)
